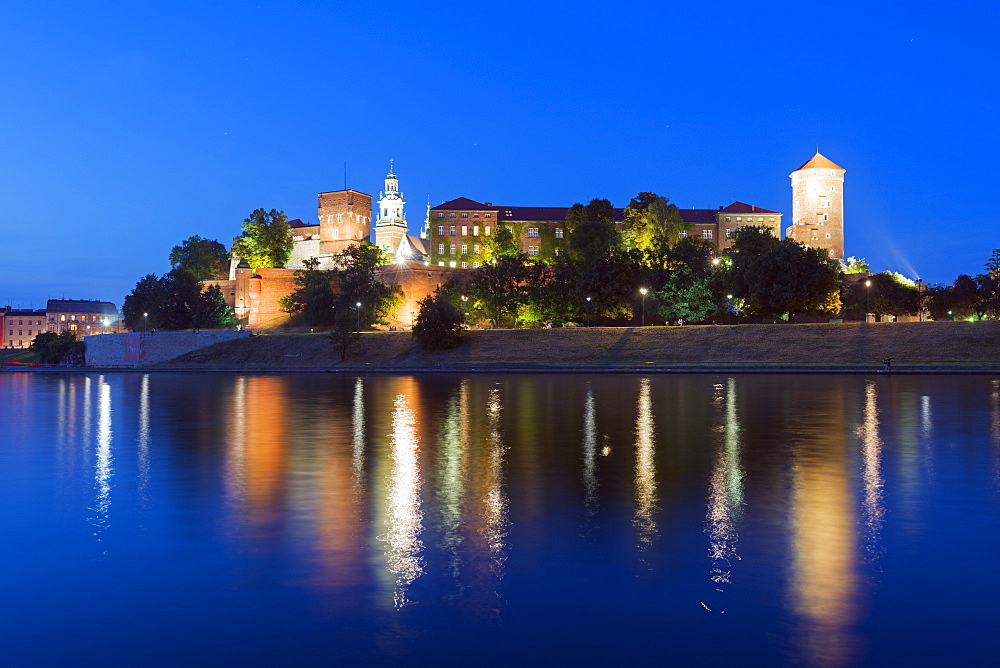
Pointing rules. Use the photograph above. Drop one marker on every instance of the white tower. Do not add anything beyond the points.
(390, 227)
(818, 205)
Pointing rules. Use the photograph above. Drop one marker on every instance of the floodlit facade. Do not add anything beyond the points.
(818, 205)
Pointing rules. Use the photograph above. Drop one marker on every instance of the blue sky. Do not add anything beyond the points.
(128, 127)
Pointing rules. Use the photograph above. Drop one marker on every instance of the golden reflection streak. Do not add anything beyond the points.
(358, 442)
(871, 455)
(404, 516)
(496, 501)
(452, 467)
(645, 468)
(143, 439)
(725, 490)
(590, 453)
(824, 580)
(103, 470)
(236, 460)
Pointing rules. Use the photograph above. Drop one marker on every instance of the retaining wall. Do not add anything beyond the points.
(138, 349)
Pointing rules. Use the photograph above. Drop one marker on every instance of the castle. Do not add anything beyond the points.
(453, 237)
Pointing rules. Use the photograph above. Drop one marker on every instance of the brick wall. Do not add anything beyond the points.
(139, 349)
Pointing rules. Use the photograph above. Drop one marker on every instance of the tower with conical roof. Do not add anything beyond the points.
(818, 205)
(390, 227)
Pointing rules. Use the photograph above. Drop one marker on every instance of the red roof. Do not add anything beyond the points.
(698, 216)
(517, 213)
(464, 204)
(740, 207)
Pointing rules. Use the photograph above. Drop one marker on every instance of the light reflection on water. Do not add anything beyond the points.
(437, 518)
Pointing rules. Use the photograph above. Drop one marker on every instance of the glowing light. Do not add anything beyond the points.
(142, 441)
(358, 442)
(725, 489)
(645, 468)
(871, 454)
(404, 521)
(589, 453)
(103, 466)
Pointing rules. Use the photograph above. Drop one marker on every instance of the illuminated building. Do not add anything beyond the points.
(818, 205)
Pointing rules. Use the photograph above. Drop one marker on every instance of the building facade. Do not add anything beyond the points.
(82, 316)
(818, 205)
(459, 228)
(390, 226)
(345, 218)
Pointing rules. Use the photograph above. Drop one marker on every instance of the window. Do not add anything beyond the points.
(359, 234)
(452, 230)
(833, 189)
(440, 214)
(465, 249)
(73, 317)
(465, 230)
(532, 232)
(21, 322)
(557, 252)
(826, 216)
(336, 234)
(465, 265)
(770, 220)
(475, 215)
(489, 215)
(451, 215)
(824, 203)
(475, 249)
(451, 264)
(475, 230)
(440, 249)
(559, 233)
(533, 251)
(340, 217)
(727, 219)
(29, 331)
(475, 265)
(728, 233)
(487, 228)
(706, 234)
(760, 220)
(684, 234)
(465, 215)
(441, 264)
(452, 249)
(739, 219)
(440, 230)
(827, 236)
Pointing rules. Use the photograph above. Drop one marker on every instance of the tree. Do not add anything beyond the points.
(205, 259)
(53, 348)
(313, 298)
(889, 294)
(211, 310)
(500, 244)
(266, 240)
(993, 265)
(634, 223)
(439, 322)
(662, 229)
(792, 278)
(749, 245)
(356, 283)
(495, 288)
(343, 336)
(550, 294)
(592, 239)
(144, 307)
(856, 265)
(686, 294)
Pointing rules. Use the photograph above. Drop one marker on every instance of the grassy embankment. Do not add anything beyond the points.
(937, 345)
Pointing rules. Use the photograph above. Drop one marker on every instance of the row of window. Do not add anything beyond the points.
(336, 233)
(465, 265)
(21, 322)
(62, 317)
(465, 215)
(52, 328)
(760, 219)
(453, 229)
(465, 249)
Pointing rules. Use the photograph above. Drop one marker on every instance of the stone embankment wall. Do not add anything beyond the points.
(138, 349)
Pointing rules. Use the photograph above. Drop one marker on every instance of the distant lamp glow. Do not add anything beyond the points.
(868, 299)
(400, 260)
(716, 261)
(643, 291)
(359, 315)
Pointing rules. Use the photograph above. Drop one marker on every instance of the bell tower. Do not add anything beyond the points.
(818, 205)
(390, 227)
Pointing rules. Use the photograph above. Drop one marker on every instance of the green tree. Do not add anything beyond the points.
(356, 282)
(634, 223)
(53, 348)
(550, 294)
(205, 259)
(686, 294)
(495, 289)
(314, 298)
(439, 322)
(343, 336)
(890, 294)
(856, 265)
(501, 244)
(211, 310)
(145, 307)
(266, 240)
(993, 265)
(662, 229)
(792, 278)
(749, 245)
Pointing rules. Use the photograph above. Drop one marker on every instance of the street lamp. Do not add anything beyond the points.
(145, 322)
(920, 303)
(868, 298)
(359, 316)
(588, 311)
(643, 291)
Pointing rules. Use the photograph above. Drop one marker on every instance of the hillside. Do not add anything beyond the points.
(936, 345)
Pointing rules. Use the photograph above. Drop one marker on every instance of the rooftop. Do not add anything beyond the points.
(820, 161)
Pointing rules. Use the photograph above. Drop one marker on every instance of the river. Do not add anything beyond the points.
(234, 519)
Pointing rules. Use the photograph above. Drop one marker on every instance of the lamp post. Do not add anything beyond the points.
(920, 303)
(359, 317)
(465, 306)
(643, 291)
(145, 322)
(588, 311)
(868, 298)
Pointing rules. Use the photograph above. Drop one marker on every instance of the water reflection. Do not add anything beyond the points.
(103, 465)
(645, 468)
(403, 521)
(725, 491)
(995, 429)
(453, 444)
(871, 454)
(358, 441)
(824, 582)
(589, 453)
(142, 440)
(495, 502)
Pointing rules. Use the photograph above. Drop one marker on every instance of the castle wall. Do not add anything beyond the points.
(344, 218)
(138, 349)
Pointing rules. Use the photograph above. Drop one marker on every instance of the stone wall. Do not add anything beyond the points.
(138, 349)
